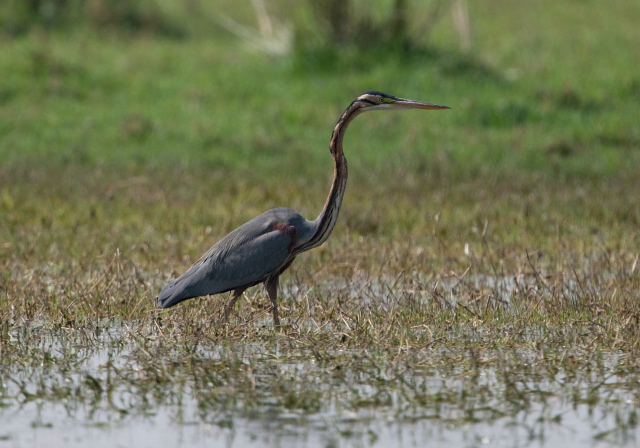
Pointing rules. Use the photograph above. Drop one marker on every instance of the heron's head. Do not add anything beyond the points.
(377, 100)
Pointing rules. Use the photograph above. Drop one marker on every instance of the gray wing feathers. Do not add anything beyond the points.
(244, 257)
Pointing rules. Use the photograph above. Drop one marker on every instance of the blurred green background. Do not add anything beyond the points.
(186, 118)
(544, 86)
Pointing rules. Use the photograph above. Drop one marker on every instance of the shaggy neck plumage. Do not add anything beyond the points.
(329, 215)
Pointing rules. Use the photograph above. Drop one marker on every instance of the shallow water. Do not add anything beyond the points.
(47, 426)
(70, 394)
(40, 424)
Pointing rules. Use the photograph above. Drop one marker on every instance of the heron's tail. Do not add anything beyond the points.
(172, 294)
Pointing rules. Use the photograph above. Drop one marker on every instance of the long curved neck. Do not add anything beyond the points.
(325, 222)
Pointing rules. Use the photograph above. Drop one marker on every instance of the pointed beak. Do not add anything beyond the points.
(402, 103)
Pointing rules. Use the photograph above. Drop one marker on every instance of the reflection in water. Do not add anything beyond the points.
(47, 426)
(78, 388)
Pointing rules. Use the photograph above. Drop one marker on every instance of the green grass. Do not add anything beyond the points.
(97, 98)
(501, 237)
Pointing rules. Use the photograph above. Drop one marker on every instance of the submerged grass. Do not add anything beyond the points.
(460, 314)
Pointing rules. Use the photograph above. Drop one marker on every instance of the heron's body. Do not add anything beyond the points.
(263, 248)
(245, 257)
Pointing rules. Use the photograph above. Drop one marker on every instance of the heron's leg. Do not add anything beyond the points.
(272, 289)
(236, 295)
